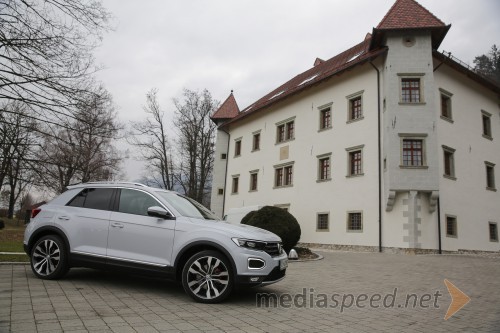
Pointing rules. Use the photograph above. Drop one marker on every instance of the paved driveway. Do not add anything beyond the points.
(316, 296)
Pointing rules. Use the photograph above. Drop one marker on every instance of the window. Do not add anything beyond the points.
(256, 142)
(355, 108)
(220, 191)
(223, 156)
(253, 181)
(355, 161)
(411, 88)
(451, 226)
(285, 130)
(324, 167)
(486, 117)
(490, 175)
(135, 202)
(283, 175)
(322, 222)
(290, 128)
(413, 152)
(355, 221)
(449, 162)
(281, 133)
(493, 230)
(236, 180)
(445, 105)
(237, 148)
(93, 198)
(325, 118)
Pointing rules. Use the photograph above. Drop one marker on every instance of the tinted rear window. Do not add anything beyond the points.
(94, 198)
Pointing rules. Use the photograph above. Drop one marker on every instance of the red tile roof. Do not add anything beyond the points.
(408, 14)
(403, 15)
(229, 109)
(322, 70)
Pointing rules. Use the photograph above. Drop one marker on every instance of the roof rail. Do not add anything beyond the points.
(112, 183)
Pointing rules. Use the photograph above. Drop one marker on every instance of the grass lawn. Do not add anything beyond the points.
(11, 240)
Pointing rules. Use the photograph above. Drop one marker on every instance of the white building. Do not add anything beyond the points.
(388, 145)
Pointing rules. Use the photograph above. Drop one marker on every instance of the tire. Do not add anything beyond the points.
(207, 277)
(49, 260)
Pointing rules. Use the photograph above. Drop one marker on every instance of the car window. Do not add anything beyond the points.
(94, 198)
(187, 206)
(136, 202)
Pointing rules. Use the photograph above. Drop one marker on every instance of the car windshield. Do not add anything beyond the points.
(187, 206)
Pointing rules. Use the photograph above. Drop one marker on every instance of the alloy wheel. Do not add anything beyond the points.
(207, 277)
(46, 257)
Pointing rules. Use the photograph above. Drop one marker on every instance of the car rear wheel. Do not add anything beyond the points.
(207, 277)
(48, 258)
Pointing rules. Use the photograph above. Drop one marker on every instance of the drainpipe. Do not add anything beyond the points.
(225, 173)
(439, 226)
(379, 163)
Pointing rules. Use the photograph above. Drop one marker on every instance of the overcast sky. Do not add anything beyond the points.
(252, 46)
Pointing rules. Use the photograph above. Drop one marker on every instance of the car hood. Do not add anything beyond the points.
(239, 230)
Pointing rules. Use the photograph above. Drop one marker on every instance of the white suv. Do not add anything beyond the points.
(134, 227)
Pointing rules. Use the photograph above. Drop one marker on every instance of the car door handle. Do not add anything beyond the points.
(116, 225)
(63, 218)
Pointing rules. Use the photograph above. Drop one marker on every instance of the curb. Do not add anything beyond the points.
(14, 262)
(320, 257)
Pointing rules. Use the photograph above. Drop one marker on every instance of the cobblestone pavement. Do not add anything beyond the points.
(96, 301)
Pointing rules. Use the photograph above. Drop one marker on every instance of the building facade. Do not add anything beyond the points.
(388, 145)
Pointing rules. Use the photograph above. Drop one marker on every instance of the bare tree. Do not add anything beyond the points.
(83, 150)
(46, 54)
(17, 145)
(150, 136)
(196, 135)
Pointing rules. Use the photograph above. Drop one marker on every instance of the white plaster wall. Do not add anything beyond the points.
(392, 223)
(398, 118)
(307, 197)
(218, 182)
(467, 197)
(429, 224)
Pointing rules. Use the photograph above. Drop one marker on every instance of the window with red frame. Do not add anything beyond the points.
(356, 109)
(410, 90)
(355, 163)
(413, 152)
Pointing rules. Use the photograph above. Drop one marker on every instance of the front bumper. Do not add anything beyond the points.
(274, 271)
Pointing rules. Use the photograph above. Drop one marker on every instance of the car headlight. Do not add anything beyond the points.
(249, 244)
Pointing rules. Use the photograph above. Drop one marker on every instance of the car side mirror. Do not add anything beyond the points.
(156, 211)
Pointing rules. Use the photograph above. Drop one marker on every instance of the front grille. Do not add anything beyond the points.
(273, 249)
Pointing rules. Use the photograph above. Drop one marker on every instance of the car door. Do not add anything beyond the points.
(136, 237)
(85, 220)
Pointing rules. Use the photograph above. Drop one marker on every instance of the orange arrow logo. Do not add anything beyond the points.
(458, 299)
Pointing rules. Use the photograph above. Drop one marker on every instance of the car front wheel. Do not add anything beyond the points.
(207, 277)
(48, 258)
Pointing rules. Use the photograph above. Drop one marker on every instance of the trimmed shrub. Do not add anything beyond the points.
(278, 221)
(247, 217)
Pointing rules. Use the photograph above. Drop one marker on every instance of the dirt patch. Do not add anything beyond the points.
(305, 253)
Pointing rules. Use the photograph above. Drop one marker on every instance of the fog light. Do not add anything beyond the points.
(254, 279)
(256, 263)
